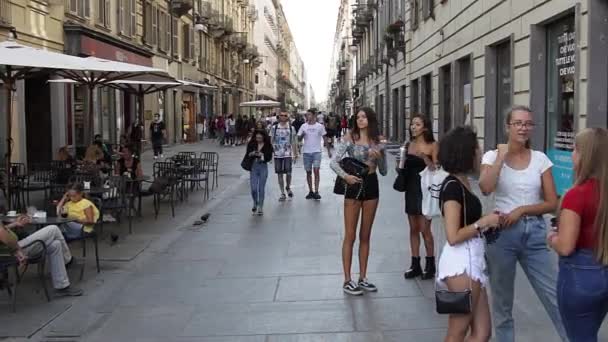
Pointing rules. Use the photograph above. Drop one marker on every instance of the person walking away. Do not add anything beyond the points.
(220, 128)
(344, 124)
(297, 123)
(332, 131)
(284, 143)
(231, 130)
(200, 127)
(581, 240)
(312, 132)
(158, 132)
(522, 182)
(462, 265)
(361, 195)
(136, 135)
(211, 127)
(421, 152)
(260, 150)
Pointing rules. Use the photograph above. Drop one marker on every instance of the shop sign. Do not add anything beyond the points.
(93, 47)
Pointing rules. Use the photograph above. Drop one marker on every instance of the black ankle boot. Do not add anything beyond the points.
(415, 270)
(429, 268)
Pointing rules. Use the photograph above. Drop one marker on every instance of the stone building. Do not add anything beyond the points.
(469, 61)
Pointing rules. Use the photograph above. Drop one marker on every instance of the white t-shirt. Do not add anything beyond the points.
(313, 137)
(516, 188)
(321, 118)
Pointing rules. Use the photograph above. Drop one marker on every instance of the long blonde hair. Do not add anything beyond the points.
(591, 144)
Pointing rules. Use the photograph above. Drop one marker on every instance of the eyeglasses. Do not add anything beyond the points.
(521, 124)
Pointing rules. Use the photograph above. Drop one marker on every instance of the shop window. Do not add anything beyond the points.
(427, 95)
(560, 85)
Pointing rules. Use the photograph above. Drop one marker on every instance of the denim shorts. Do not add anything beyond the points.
(311, 160)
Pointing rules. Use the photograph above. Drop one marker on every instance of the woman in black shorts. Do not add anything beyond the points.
(361, 195)
(421, 152)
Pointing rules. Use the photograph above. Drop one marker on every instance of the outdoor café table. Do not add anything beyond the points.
(39, 222)
(183, 170)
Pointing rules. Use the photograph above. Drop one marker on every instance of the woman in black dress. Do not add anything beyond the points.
(421, 152)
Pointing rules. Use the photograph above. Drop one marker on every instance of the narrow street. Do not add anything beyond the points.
(265, 279)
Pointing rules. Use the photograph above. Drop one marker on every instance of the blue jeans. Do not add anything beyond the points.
(257, 180)
(525, 241)
(582, 295)
(72, 230)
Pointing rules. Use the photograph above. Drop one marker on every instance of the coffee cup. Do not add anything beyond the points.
(87, 185)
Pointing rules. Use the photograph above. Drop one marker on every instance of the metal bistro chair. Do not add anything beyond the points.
(116, 199)
(189, 155)
(199, 175)
(93, 236)
(213, 160)
(16, 177)
(9, 269)
(163, 186)
(38, 179)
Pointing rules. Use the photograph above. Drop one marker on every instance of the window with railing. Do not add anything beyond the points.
(80, 8)
(5, 12)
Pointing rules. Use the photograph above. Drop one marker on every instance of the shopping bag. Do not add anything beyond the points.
(430, 184)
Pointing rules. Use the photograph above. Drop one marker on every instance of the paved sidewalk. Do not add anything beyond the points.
(275, 278)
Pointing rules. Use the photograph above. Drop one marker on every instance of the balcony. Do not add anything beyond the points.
(181, 7)
(5, 12)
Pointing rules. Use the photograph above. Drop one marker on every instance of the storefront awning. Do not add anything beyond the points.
(261, 104)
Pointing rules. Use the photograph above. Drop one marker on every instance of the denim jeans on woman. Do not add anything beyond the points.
(525, 241)
(257, 180)
(582, 295)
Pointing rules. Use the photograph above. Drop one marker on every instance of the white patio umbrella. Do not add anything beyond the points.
(18, 62)
(261, 104)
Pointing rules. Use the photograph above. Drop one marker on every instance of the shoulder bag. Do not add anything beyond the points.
(353, 167)
(400, 183)
(247, 162)
(456, 302)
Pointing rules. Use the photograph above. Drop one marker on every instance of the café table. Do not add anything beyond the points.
(39, 221)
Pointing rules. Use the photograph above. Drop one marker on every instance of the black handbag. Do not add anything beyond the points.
(456, 302)
(353, 167)
(247, 162)
(400, 183)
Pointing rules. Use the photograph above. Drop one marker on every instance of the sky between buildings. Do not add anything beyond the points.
(313, 25)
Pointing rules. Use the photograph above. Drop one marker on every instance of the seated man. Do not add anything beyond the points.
(58, 252)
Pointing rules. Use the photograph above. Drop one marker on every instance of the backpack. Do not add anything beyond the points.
(274, 132)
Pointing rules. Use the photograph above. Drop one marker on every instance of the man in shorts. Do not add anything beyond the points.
(331, 127)
(313, 133)
(284, 142)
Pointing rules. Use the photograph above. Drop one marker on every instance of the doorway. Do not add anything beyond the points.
(188, 117)
(38, 119)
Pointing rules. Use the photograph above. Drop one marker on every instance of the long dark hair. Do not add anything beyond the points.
(373, 132)
(426, 122)
(264, 134)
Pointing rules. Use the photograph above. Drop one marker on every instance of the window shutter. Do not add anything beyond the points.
(86, 6)
(175, 38)
(168, 37)
(101, 7)
(106, 14)
(186, 42)
(121, 16)
(192, 42)
(414, 14)
(154, 25)
(132, 18)
(147, 22)
(73, 6)
(427, 8)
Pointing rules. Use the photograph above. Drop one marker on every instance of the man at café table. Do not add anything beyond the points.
(57, 250)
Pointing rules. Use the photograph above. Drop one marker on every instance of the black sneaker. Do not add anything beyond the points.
(289, 193)
(283, 198)
(254, 209)
(367, 286)
(68, 292)
(351, 288)
(310, 195)
(316, 196)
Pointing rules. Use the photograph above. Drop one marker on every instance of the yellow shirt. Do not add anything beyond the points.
(76, 211)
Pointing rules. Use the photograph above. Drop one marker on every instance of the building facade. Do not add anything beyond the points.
(468, 62)
(209, 44)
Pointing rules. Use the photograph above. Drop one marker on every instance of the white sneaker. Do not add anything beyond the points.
(162, 156)
(260, 211)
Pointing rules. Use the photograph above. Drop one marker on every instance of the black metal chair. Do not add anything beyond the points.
(9, 269)
(117, 201)
(199, 175)
(93, 236)
(163, 186)
(16, 177)
(38, 179)
(213, 160)
(189, 155)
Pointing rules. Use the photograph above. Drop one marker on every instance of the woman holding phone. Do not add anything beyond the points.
(260, 150)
